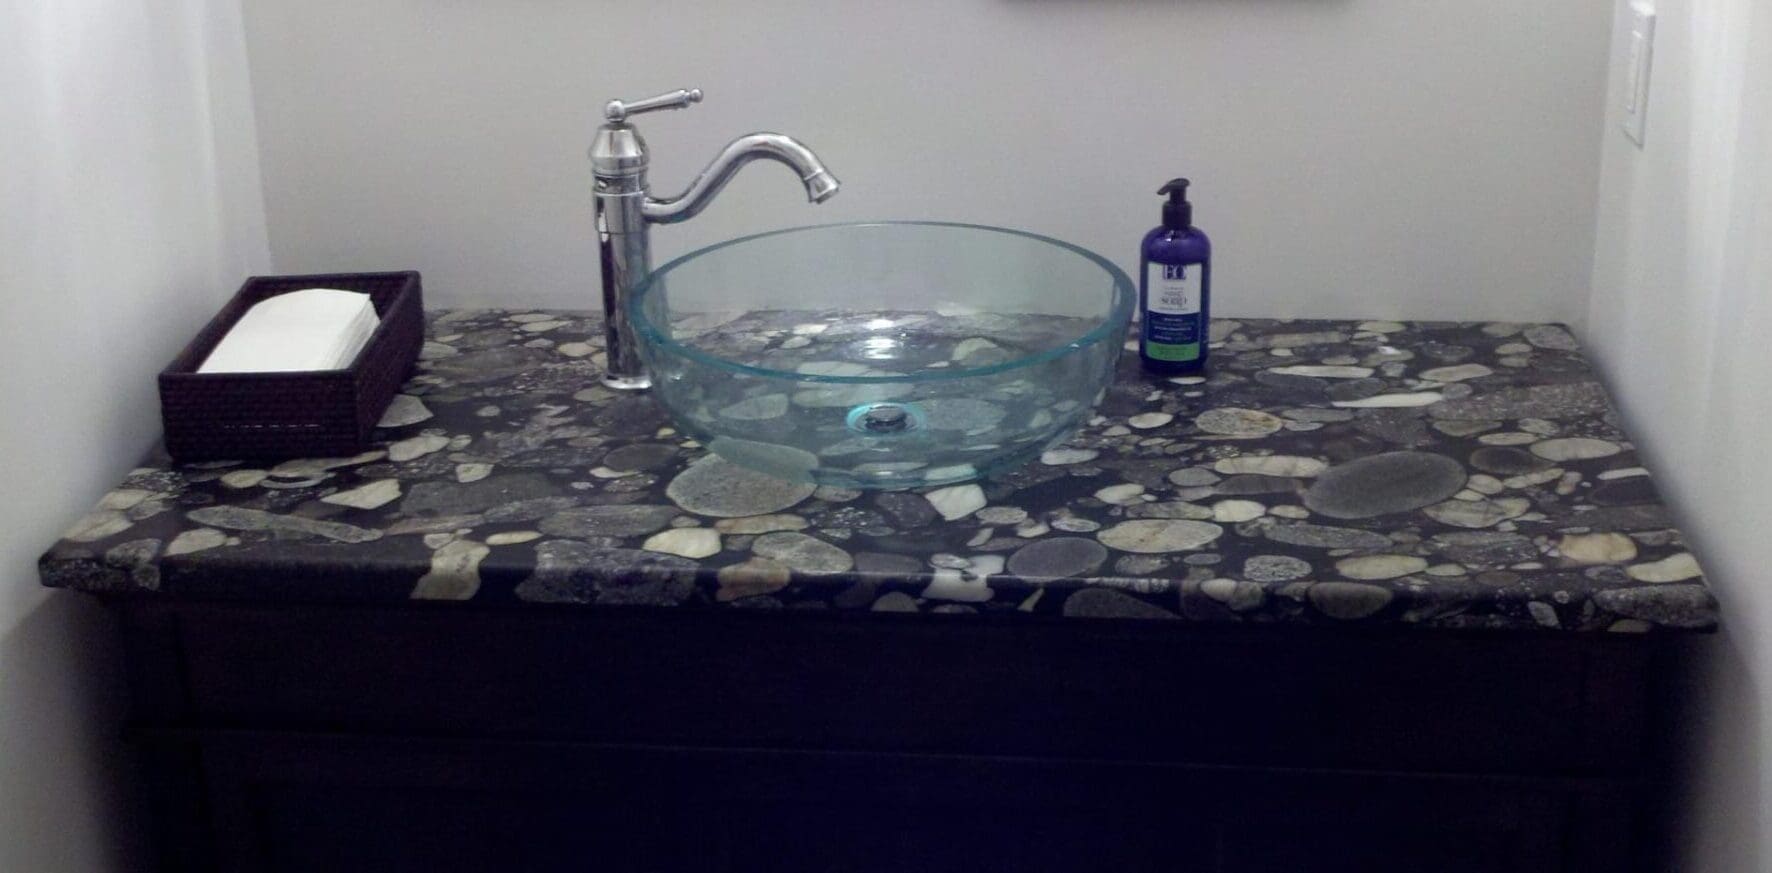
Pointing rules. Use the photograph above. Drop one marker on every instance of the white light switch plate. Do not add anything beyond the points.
(1639, 46)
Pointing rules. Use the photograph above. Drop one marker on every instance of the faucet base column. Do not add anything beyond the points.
(627, 383)
(626, 257)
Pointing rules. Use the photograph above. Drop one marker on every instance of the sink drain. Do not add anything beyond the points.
(885, 419)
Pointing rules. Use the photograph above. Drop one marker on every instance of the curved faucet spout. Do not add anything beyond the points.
(820, 184)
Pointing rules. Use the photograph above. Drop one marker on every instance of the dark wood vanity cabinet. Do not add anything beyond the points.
(1421, 632)
(422, 737)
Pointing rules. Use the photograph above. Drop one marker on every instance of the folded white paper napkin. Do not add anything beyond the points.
(311, 329)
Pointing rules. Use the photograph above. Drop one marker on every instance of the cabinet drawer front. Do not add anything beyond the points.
(1282, 697)
(299, 804)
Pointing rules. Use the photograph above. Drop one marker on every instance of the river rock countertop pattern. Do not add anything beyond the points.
(1455, 475)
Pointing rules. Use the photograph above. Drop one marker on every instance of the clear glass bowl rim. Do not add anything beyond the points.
(1118, 315)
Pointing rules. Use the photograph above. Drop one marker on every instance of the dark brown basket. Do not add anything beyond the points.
(261, 416)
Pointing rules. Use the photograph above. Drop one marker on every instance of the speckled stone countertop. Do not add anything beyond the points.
(1451, 475)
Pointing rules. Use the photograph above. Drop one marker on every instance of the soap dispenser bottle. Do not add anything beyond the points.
(1175, 289)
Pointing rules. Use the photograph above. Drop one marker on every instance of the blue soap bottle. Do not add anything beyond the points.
(1174, 289)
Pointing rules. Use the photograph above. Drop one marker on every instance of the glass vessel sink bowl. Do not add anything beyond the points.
(882, 355)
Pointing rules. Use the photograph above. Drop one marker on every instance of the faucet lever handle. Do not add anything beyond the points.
(617, 111)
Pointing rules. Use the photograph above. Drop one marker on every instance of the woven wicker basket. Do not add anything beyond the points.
(263, 416)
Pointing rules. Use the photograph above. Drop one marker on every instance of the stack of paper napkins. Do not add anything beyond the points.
(311, 329)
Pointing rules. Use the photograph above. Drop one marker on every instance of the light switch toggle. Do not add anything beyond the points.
(1636, 70)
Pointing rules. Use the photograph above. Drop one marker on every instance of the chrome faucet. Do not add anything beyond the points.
(626, 211)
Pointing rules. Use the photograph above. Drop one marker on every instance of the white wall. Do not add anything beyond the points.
(129, 208)
(1679, 319)
(1426, 158)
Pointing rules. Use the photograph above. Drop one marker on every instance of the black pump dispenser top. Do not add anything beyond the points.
(1178, 214)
